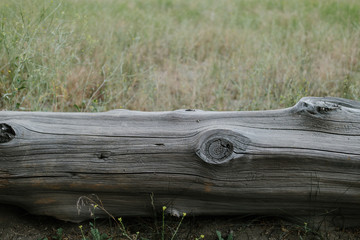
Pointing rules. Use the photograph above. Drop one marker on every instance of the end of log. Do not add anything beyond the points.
(7, 133)
(323, 105)
(316, 105)
(221, 146)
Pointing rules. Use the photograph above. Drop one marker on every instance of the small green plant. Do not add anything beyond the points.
(97, 204)
(306, 231)
(178, 226)
(82, 232)
(163, 223)
(96, 235)
(230, 236)
(201, 237)
(59, 234)
(124, 231)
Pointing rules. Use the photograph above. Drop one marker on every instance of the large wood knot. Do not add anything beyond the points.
(218, 149)
(221, 146)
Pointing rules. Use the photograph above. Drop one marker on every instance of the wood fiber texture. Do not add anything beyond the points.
(297, 161)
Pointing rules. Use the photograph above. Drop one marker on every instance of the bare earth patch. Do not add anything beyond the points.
(16, 223)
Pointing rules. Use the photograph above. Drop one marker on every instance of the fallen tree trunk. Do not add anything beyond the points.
(282, 162)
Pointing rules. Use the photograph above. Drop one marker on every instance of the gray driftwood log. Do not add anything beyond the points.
(295, 161)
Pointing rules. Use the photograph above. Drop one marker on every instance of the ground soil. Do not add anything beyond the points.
(16, 223)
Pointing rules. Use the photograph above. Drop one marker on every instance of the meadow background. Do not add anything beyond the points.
(97, 55)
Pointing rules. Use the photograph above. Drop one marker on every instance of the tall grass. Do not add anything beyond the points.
(92, 55)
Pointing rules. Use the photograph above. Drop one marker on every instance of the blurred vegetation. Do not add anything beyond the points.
(92, 55)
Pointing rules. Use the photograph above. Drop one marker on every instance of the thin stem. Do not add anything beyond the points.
(163, 224)
(178, 226)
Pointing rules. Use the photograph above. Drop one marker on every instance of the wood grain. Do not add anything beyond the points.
(297, 161)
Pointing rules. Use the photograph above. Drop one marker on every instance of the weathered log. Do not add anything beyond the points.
(291, 161)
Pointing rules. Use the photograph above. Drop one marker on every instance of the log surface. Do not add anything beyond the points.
(292, 161)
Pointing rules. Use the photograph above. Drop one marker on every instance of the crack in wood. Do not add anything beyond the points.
(104, 155)
(159, 144)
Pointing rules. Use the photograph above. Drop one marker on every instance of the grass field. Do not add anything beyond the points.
(92, 55)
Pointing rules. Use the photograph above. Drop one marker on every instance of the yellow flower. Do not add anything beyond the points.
(202, 236)
(95, 206)
(80, 226)
(164, 208)
(184, 214)
(120, 219)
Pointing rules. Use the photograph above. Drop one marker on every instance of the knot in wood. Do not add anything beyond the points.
(7, 133)
(219, 146)
(218, 149)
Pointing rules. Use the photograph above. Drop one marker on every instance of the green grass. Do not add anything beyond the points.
(92, 55)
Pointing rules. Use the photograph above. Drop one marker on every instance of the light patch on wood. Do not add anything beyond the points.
(36, 182)
(4, 183)
(45, 201)
(96, 187)
(208, 187)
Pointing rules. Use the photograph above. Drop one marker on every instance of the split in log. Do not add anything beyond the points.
(292, 161)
